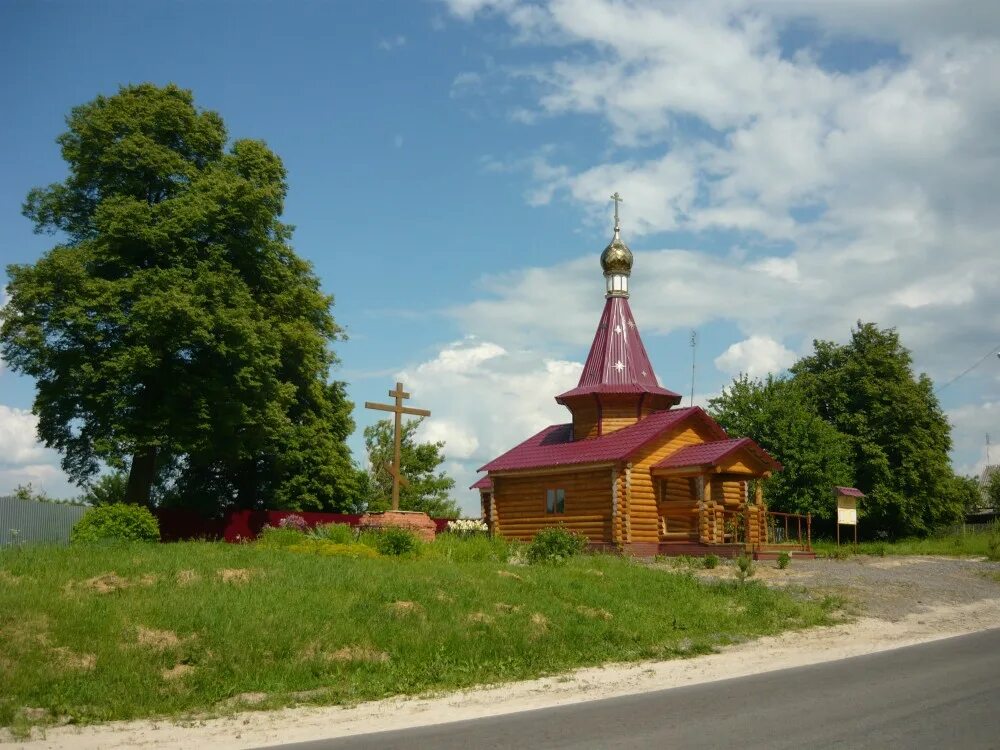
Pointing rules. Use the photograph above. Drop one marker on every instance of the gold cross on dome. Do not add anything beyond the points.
(617, 199)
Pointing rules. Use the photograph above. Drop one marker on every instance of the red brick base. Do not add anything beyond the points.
(419, 523)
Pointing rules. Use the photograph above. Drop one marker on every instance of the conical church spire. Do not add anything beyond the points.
(618, 377)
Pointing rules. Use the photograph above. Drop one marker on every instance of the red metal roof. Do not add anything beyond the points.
(484, 483)
(710, 454)
(554, 446)
(617, 362)
(849, 491)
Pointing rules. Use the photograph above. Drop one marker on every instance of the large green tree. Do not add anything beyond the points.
(173, 332)
(816, 457)
(427, 489)
(899, 435)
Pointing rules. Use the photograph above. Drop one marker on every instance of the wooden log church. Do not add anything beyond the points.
(633, 470)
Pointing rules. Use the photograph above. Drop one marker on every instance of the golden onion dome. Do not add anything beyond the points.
(616, 258)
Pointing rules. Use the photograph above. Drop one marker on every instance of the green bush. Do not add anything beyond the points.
(275, 537)
(341, 533)
(555, 544)
(710, 561)
(118, 523)
(391, 541)
(744, 568)
(784, 559)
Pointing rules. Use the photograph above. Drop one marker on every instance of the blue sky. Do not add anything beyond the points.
(449, 166)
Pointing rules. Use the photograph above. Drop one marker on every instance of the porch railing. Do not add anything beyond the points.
(755, 527)
(789, 530)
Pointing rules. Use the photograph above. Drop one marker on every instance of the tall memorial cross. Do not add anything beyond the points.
(397, 438)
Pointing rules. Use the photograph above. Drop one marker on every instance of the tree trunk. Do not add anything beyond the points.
(246, 485)
(141, 474)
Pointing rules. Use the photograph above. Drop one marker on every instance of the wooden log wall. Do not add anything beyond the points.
(644, 513)
(678, 507)
(616, 414)
(585, 421)
(519, 503)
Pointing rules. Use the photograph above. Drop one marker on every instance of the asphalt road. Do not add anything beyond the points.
(944, 694)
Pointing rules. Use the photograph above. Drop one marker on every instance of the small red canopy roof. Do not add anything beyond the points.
(618, 362)
(849, 491)
(484, 483)
(710, 454)
(554, 446)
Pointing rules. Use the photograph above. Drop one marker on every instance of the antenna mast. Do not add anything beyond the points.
(694, 348)
(987, 449)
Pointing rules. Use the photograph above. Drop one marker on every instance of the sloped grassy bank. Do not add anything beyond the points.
(119, 632)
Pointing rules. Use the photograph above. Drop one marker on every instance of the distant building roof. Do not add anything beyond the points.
(554, 446)
(484, 483)
(849, 491)
(710, 454)
(618, 362)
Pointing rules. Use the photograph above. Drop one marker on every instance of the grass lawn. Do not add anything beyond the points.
(100, 633)
(971, 544)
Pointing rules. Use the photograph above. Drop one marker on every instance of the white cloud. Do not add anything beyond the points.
(24, 460)
(387, 44)
(842, 194)
(756, 356)
(484, 399)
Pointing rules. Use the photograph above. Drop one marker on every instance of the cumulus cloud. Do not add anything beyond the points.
(484, 399)
(817, 192)
(756, 356)
(22, 459)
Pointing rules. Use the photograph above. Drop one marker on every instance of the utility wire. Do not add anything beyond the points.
(990, 353)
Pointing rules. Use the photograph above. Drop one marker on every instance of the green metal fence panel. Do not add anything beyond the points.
(30, 522)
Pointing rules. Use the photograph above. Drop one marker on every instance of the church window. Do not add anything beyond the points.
(555, 501)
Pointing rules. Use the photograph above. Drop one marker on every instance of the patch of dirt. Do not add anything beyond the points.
(234, 575)
(8, 578)
(23, 633)
(245, 699)
(441, 596)
(106, 583)
(187, 577)
(148, 579)
(506, 608)
(72, 661)
(359, 653)
(889, 588)
(406, 609)
(157, 640)
(508, 574)
(595, 613)
(479, 618)
(177, 672)
(539, 623)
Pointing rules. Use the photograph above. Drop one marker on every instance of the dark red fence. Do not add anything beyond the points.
(243, 525)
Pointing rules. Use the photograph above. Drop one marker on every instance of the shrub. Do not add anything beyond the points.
(555, 544)
(710, 561)
(275, 537)
(744, 568)
(839, 553)
(341, 533)
(391, 540)
(993, 545)
(295, 522)
(783, 560)
(119, 523)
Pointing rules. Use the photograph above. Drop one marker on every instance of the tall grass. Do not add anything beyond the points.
(980, 543)
(101, 633)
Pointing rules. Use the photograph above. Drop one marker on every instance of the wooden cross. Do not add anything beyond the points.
(399, 410)
(617, 199)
